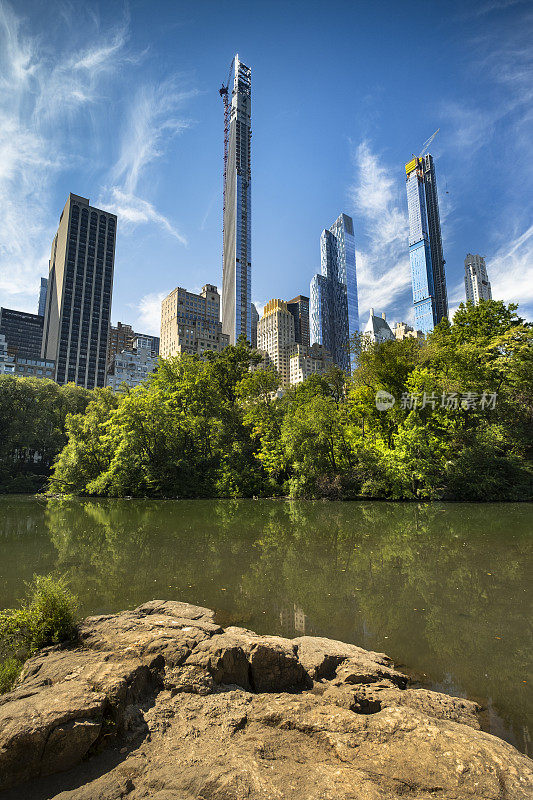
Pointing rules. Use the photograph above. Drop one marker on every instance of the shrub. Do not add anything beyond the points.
(47, 616)
(9, 672)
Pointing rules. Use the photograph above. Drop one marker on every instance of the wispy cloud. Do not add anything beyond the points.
(149, 313)
(133, 211)
(383, 275)
(79, 79)
(504, 61)
(491, 6)
(37, 95)
(152, 121)
(511, 271)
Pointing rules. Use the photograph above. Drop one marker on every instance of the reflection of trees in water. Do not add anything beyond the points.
(24, 546)
(433, 585)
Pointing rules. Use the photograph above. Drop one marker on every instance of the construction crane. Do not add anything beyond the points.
(224, 93)
(425, 146)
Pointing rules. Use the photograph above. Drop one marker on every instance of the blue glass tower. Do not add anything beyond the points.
(42, 296)
(237, 263)
(334, 308)
(425, 245)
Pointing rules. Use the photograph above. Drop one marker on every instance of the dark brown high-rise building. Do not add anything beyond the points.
(299, 308)
(122, 337)
(80, 285)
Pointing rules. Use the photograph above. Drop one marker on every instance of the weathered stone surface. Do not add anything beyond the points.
(168, 629)
(261, 663)
(372, 698)
(47, 730)
(216, 714)
(322, 659)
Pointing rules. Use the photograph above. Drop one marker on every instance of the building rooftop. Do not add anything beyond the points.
(275, 305)
(377, 324)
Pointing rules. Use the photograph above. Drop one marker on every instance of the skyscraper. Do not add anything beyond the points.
(42, 296)
(275, 335)
(190, 323)
(299, 308)
(477, 284)
(80, 285)
(294, 361)
(23, 332)
(255, 320)
(237, 264)
(334, 306)
(425, 244)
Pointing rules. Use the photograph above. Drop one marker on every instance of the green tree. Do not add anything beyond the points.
(33, 415)
(460, 427)
(180, 434)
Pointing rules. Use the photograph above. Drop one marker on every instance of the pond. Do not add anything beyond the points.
(444, 589)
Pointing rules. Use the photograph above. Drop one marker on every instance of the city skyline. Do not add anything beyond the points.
(156, 159)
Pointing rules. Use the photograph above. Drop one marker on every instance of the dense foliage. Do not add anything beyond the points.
(460, 426)
(32, 428)
(47, 616)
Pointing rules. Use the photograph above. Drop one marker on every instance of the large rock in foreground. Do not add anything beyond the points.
(162, 703)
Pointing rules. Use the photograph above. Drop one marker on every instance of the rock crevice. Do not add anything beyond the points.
(191, 710)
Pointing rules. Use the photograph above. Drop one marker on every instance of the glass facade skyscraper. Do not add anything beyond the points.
(334, 313)
(237, 264)
(42, 296)
(425, 244)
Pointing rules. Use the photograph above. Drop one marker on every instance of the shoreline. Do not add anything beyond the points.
(284, 499)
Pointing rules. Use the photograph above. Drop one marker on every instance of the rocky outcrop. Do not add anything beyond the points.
(163, 703)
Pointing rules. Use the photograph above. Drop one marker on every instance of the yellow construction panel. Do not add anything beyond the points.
(411, 166)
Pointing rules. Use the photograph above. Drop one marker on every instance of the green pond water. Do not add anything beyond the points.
(444, 589)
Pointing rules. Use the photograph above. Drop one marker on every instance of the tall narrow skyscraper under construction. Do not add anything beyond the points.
(237, 263)
(425, 244)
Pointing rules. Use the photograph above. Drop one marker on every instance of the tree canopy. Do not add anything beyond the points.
(460, 426)
(33, 415)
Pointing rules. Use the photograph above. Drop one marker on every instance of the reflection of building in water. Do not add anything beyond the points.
(500, 726)
(294, 620)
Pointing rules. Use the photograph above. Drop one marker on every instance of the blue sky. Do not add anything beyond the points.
(119, 103)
